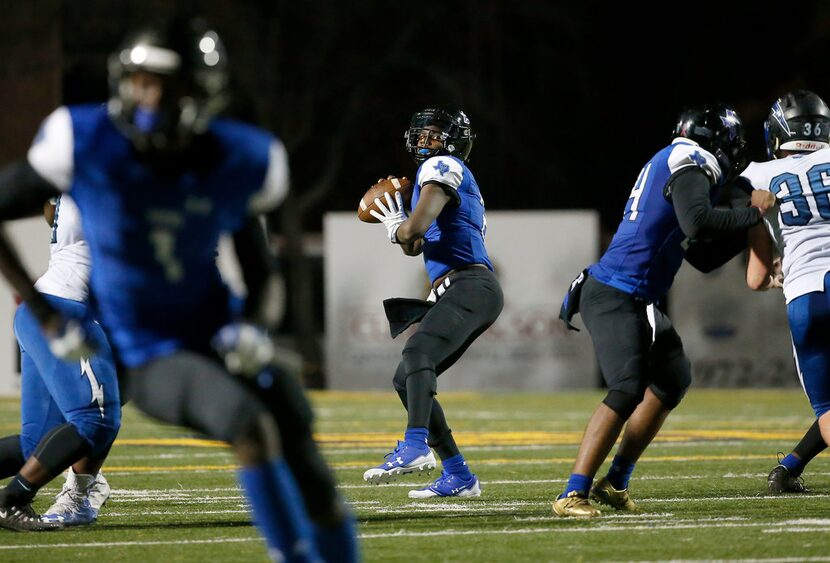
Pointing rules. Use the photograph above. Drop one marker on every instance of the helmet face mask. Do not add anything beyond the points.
(799, 121)
(166, 86)
(718, 129)
(434, 132)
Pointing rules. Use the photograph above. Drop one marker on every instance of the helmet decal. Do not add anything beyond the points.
(777, 113)
(731, 122)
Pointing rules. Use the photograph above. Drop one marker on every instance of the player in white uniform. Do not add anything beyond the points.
(70, 411)
(798, 174)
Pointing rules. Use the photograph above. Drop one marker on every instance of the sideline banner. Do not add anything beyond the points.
(32, 239)
(536, 256)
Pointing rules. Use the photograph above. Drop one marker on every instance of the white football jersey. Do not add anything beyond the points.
(801, 184)
(69, 260)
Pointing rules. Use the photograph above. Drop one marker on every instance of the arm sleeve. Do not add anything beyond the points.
(689, 194)
(741, 186)
(709, 255)
(258, 267)
(23, 191)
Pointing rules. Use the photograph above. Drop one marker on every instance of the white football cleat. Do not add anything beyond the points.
(99, 492)
(79, 501)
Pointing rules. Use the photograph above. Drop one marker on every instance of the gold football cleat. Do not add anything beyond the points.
(574, 506)
(603, 492)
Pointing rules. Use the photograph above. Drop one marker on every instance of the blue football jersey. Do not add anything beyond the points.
(153, 234)
(456, 237)
(647, 249)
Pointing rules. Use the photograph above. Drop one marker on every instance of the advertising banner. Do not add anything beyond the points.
(733, 336)
(32, 239)
(536, 255)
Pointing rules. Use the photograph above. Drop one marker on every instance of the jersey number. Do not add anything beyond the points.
(164, 244)
(794, 205)
(636, 193)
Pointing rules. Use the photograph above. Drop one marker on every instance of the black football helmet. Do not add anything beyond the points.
(718, 129)
(456, 134)
(798, 121)
(189, 58)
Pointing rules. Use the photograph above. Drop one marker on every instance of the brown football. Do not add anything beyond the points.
(390, 185)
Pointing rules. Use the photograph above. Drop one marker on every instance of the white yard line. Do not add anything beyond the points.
(117, 494)
(748, 560)
(127, 543)
(817, 526)
(588, 529)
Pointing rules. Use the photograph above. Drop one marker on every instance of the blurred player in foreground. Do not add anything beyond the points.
(157, 180)
(798, 175)
(69, 410)
(639, 352)
(447, 225)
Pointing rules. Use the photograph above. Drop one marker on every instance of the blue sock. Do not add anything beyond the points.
(417, 436)
(793, 464)
(456, 465)
(278, 511)
(620, 472)
(340, 542)
(579, 483)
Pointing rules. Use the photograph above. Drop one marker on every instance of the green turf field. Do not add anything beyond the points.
(702, 487)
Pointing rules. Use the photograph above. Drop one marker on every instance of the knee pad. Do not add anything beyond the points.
(422, 382)
(399, 381)
(670, 397)
(671, 391)
(61, 447)
(414, 361)
(622, 403)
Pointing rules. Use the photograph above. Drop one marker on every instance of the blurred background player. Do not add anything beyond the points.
(640, 354)
(447, 225)
(159, 180)
(69, 410)
(796, 133)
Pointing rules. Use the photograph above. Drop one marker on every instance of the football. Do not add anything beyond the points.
(390, 185)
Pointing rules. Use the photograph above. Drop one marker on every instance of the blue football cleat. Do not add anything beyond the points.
(405, 459)
(449, 485)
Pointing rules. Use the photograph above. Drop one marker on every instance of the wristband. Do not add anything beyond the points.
(393, 234)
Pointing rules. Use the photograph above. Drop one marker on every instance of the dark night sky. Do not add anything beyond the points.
(569, 99)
